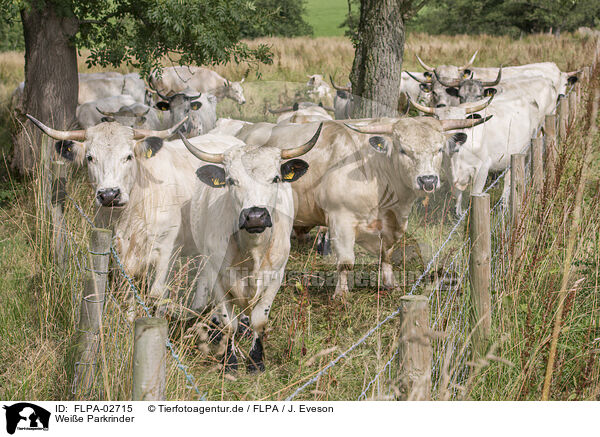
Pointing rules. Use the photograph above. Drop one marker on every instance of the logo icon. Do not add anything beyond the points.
(26, 416)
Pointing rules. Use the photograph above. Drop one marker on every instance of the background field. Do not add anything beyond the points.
(39, 305)
(326, 16)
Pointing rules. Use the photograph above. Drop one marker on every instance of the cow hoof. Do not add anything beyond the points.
(255, 367)
(244, 330)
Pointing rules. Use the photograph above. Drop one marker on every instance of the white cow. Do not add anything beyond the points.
(95, 86)
(200, 110)
(318, 88)
(362, 185)
(146, 197)
(177, 79)
(302, 112)
(123, 109)
(242, 215)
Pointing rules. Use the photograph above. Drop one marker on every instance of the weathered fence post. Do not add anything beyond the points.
(517, 186)
(415, 351)
(57, 202)
(149, 359)
(537, 164)
(550, 140)
(480, 272)
(92, 306)
(573, 106)
(563, 117)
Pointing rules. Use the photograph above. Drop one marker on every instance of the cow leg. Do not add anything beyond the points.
(165, 250)
(458, 209)
(342, 236)
(258, 322)
(301, 233)
(506, 190)
(229, 326)
(480, 178)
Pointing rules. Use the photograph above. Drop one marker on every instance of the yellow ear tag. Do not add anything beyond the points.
(289, 176)
(149, 153)
(216, 182)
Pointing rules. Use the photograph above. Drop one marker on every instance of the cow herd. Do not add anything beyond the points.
(177, 182)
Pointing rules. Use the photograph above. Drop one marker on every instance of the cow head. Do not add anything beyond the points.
(453, 112)
(252, 177)
(416, 147)
(470, 90)
(235, 92)
(440, 94)
(112, 153)
(132, 115)
(186, 104)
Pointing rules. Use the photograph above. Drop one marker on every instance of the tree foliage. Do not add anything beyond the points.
(283, 18)
(507, 17)
(142, 32)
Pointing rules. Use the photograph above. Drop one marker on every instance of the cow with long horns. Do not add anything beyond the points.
(144, 197)
(364, 179)
(242, 215)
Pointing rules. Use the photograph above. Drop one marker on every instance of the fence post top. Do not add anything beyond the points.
(414, 298)
(480, 195)
(150, 321)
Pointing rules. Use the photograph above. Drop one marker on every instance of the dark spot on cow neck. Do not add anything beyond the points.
(255, 356)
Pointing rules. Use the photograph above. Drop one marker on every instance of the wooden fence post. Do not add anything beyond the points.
(517, 186)
(550, 142)
(537, 164)
(573, 106)
(149, 359)
(415, 351)
(57, 202)
(90, 316)
(563, 117)
(480, 272)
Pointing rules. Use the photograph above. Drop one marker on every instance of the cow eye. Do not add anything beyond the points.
(89, 158)
(230, 181)
(402, 152)
(276, 179)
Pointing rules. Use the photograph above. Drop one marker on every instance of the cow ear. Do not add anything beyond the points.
(107, 119)
(452, 91)
(426, 88)
(195, 105)
(293, 170)
(148, 147)
(428, 75)
(379, 144)
(163, 106)
(467, 74)
(489, 92)
(212, 175)
(455, 141)
(572, 80)
(473, 116)
(296, 106)
(69, 150)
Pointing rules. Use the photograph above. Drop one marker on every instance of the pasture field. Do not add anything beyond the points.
(307, 329)
(325, 17)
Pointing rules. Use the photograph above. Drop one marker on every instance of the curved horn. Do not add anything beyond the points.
(74, 135)
(150, 90)
(215, 158)
(468, 64)
(454, 83)
(280, 110)
(304, 148)
(423, 64)
(423, 81)
(462, 124)
(479, 106)
(158, 92)
(495, 82)
(143, 133)
(108, 114)
(378, 128)
(140, 114)
(188, 97)
(422, 108)
(340, 88)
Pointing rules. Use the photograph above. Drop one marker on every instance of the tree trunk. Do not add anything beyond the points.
(376, 72)
(51, 81)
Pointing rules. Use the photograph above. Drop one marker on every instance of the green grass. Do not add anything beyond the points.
(325, 16)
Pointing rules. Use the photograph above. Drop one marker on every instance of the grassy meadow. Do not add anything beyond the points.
(39, 302)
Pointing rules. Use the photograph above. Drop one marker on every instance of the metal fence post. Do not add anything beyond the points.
(415, 350)
(480, 272)
(57, 202)
(149, 355)
(92, 306)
